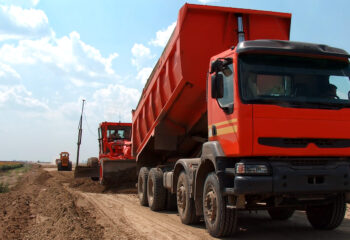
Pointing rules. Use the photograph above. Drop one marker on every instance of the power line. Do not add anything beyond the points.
(87, 124)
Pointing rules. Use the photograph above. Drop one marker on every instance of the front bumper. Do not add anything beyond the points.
(287, 178)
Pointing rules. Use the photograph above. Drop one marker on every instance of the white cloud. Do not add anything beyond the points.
(22, 3)
(20, 96)
(7, 72)
(207, 1)
(115, 102)
(139, 50)
(162, 36)
(68, 54)
(19, 23)
(141, 55)
(81, 83)
(35, 2)
(144, 74)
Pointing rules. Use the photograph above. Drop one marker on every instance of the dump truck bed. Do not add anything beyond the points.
(173, 102)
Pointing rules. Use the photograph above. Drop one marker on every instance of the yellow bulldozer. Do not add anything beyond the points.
(63, 163)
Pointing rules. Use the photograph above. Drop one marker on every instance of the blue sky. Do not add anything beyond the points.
(55, 53)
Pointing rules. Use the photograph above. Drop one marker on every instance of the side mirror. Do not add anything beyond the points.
(217, 86)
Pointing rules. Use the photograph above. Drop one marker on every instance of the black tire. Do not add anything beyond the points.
(59, 167)
(185, 204)
(92, 162)
(95, 179)
(70, 166)
(156, 193)
(280, 213)
(142, 186)
(327, 217)
(220, 221)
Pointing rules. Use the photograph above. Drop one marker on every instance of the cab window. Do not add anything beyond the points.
(227, 99)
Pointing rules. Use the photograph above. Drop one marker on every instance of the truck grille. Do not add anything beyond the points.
(309, 162)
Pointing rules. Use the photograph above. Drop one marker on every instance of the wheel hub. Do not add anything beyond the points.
(210, 205)
(181, 198)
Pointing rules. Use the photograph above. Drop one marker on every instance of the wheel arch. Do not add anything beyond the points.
(210, 151)
(206, 167)
(187, 165)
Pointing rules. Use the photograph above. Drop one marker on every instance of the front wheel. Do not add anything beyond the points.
(219, 220)
(327, 217)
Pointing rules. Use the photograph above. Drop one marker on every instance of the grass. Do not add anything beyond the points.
(12, 170)
(5, 166)
(4, 187)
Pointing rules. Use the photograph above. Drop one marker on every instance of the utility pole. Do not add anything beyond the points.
(80, 132)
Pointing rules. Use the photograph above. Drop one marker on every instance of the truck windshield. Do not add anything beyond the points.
(293, 81)
(117, 132)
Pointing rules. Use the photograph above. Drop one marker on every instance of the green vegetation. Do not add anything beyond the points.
(4, 187)
(11, 173)
(23, 169)
(6, 167)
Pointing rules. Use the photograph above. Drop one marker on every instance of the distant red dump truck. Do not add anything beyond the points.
(115, 164)
(230, 122)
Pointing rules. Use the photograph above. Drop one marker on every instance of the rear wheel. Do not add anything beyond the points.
(327, 217)
(280, 213)
(70, 166)
(185, 204)
(156, 193)
(142, 186)
(92, 162)
(219, 220)
(59, 166)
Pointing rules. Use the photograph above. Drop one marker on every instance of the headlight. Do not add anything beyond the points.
(252, 169)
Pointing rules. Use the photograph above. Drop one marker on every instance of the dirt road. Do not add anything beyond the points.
(52, 205)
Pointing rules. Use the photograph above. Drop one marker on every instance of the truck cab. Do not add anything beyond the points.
(277, 117)
(115, 140)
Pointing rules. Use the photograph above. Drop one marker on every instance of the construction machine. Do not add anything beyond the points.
(114, 164)
(236, 117)
(63, 163)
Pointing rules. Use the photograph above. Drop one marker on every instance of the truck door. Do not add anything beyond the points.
(222, 114)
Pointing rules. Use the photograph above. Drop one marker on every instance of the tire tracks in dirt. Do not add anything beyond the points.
(138, 222)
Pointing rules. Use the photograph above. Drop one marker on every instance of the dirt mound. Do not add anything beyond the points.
(42, 178)
(15, 215)
(41, 207)
(87, 185)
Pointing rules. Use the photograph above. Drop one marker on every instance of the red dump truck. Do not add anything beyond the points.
(231, 121)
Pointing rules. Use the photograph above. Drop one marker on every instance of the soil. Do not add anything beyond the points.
(47, 204)
(39, 207)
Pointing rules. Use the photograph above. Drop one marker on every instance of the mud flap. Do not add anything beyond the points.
(83, 171)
